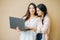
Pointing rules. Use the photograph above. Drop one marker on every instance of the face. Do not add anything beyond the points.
(39, 12)
(31, 9)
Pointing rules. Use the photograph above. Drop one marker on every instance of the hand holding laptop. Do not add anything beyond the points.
(27, 28)
(18, 24)
(17, 29)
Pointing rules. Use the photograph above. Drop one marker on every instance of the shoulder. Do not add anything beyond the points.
(47, 18)
(37, 18)
(24, 17)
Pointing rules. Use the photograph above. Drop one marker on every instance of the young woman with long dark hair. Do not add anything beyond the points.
(44, 22)
(30, 23)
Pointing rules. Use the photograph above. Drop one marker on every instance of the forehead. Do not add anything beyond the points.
(38, 8)
(31, 6)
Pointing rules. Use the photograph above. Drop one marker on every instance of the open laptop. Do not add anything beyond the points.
(17, 22)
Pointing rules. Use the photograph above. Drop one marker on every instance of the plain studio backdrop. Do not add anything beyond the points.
(17, 8)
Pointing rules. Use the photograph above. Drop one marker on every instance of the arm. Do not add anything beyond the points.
(45, 26)
(34, 29)
(39, 25)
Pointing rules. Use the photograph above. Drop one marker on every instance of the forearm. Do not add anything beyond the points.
(34, 29)
(44, 30)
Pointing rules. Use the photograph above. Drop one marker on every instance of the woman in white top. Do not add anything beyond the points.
(30, 23)
(44, 21)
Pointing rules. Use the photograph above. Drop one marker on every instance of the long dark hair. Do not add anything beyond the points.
(28, 13)
(43, 8)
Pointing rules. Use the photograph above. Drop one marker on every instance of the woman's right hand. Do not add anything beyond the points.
(28, 28)
(17, 29)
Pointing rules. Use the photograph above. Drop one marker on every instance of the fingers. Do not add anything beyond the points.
(34, 29)
(17, 29)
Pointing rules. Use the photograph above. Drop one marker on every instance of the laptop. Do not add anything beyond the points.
(17, 22)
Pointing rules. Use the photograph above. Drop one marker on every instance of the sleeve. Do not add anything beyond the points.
(46, 25)
(39, 25)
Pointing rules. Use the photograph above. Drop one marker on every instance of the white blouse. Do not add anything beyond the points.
(44, 28)
(29, 35)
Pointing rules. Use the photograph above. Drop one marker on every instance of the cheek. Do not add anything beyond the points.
(39, 12)
(33, 10)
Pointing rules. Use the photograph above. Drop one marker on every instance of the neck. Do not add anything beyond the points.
(32, 15)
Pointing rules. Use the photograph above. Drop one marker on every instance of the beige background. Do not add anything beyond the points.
(17, 8)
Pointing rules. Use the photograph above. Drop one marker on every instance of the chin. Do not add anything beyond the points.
(39, 15)
(32, 13)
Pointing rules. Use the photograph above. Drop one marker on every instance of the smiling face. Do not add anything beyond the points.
(31, 9)
(39, 12)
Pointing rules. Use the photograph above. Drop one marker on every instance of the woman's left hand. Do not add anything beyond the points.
(34, 29)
